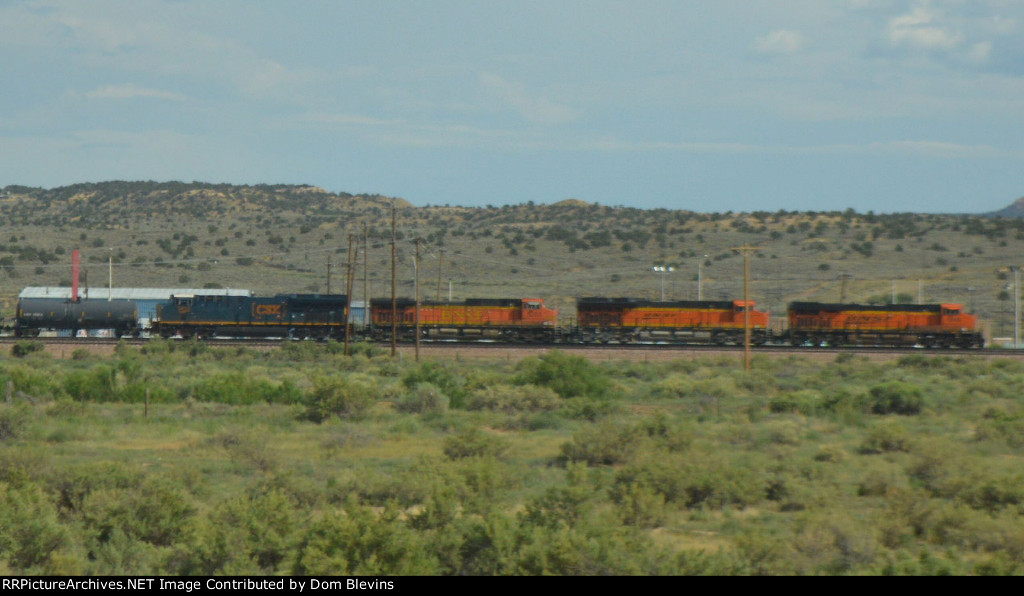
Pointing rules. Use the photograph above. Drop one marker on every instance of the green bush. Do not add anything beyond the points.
(602, 444)
(896, 397)
(440, 376)
(640, 506)
(886, 438)
(81, 354)
(13, 420)
(654, 473)
(38, 383)
(94, 385)
(590, 410)
(23, 348)
(673, 436)
(568, 376)
(474, 442)
(361, 541)
(512, 399)
(672, 386)
(31, 533)
(563, 506)
(241, 388)
(248, 535)
(804, 401)
(152, 511)
(345, 397)
(421, 399)
(136, 393)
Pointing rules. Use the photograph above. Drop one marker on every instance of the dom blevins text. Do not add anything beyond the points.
(189, 586)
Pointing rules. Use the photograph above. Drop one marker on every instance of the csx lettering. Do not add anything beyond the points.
(267, 309)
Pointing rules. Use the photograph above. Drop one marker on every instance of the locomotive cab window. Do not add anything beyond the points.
(531, 305)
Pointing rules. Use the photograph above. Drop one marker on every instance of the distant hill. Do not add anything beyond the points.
(1015, 209)
(107, 202)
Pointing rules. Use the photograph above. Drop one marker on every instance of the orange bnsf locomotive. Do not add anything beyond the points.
(520, 320)
(927, 325)
(631, 320)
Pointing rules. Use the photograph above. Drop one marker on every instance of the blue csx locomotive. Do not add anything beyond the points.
(300, 316)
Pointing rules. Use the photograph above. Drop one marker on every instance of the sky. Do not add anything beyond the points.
(702, 105)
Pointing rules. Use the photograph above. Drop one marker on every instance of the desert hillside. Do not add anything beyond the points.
(284, 238)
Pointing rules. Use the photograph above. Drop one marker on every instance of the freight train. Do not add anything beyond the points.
(598, 320)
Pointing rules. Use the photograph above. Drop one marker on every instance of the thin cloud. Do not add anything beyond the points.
(934, 149)
(132, 91)
(780, 42)
(339, 119)
(530, 106)
(918, 30)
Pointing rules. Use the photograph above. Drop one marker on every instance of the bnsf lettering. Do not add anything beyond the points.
(267, 310)
(865, 319)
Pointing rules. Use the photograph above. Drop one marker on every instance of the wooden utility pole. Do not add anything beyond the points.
(1016, 307)
(440, 269)
(328, 274)
(842, 288)
(366, 277)
(746, 249)
(416, 292)
(394, 278)
(349, 271)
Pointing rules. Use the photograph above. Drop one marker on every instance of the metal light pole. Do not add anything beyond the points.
(663, 271)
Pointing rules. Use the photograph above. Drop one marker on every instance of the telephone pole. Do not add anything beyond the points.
(842, 288)
(440, 269)
(746, 249)
(328, 274)
(394, 277)
(1016, 307)
(349, 277)
(416, 292)
(366, 277)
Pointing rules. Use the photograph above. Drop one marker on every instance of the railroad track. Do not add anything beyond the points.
(65, 346)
